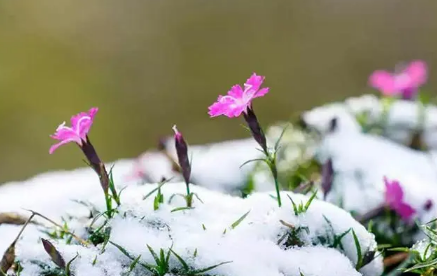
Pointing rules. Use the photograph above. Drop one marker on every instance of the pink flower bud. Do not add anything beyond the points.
(182, 152)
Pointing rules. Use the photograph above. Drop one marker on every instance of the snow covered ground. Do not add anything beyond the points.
(252, 246)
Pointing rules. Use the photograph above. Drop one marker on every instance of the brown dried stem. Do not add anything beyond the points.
(84, 242)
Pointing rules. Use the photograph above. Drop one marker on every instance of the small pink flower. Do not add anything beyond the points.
(80, 126)
(394, 198)
(405, 82)
(238, 99)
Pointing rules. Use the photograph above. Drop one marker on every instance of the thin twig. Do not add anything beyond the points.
(24, 227)
(84, 242)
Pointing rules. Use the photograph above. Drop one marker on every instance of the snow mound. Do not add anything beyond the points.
(207, 235)
(404, 118)
(361, 161)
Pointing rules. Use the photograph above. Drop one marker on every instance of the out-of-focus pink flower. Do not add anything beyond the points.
(80, 126)
(404, 83)
(137, 172)
(394, 198)
(238, 100)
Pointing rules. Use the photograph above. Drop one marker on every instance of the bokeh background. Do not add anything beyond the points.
(148, 64)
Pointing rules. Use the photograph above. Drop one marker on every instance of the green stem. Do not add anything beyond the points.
(188, 189)
(115, 195)
(274, 171)
(108, 205)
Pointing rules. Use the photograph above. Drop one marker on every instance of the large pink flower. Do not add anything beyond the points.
(80, 126)
(404, 83)
(238, 99)
(394, 198)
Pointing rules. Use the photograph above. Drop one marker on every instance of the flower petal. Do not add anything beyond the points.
(226, 106)
(82, 122)
(393, 193)
(238, 100)
(405, 211)
(261, 92)
(254, 81)
(236, 92)
(418, 73)
(63, 142)
(65, 133)
(383, 81)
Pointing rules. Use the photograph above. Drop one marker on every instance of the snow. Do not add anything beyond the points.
(403, 118)
(215, 166)
(251, 246)
(361, 161)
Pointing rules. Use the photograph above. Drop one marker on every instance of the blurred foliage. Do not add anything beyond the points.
(149, 64)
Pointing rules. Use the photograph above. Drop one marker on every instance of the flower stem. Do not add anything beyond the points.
(108, 205)
(188, 188)
(99, 167)
(260, 138)
(275, 177)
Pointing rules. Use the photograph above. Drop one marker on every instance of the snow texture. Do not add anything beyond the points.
(251, 246)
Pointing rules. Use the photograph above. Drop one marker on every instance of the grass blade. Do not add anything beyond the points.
(358, 246)
(238, 221)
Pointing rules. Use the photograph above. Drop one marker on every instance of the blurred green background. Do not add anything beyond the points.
(148, 64)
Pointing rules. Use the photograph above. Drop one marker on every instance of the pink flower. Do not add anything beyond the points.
(394, 198)
(405, 82)
(238, 99)
(80, 126)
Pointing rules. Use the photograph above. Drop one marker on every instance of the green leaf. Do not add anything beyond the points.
(358, 246)
(157, 188)
(67, 268)
(149, 267)
(253, 160)
(307, 205)
(197, 196)
(296, 212)
(154, 255)
(134, 263)
(238, 221)
(181, 209)
(183, 263)
(422, 265)
(156, 202)
(174, 195)
(280, 137)
(122, 250)
(167, 258)
(198, 271)
(337, 239)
